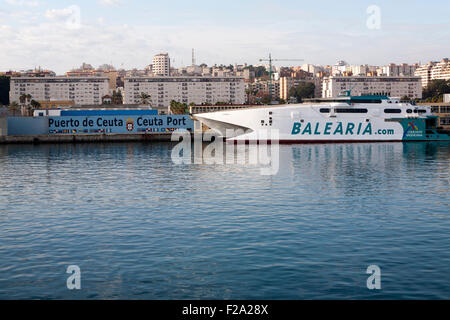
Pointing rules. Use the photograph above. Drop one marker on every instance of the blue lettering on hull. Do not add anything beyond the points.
(338, 129)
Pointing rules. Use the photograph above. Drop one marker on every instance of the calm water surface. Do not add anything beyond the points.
(141, 227)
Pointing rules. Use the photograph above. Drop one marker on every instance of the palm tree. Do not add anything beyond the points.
(35, 104)
(144, 98)
(22, 98)
(14, 106)
(28, 97)
(117, 97)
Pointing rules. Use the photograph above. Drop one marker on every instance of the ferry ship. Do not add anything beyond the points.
(343, 119)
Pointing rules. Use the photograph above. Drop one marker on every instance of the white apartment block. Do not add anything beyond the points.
(198, 90)
(161, 65)
(401, 70)
(391, 86)
(441, 71)
(80, 90)
(424, 72)
(434, 71)
(339, 68)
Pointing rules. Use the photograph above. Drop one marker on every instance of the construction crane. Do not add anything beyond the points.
(270, 60)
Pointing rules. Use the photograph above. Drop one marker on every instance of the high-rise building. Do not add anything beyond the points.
(424, 72)
(195, 89)
(391, 86)
(339, 68)
(400, 70)
(161, 65)
(80, 90)
(434, 71)
(441, 71)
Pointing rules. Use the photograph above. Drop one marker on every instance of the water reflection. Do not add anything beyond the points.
(141, 226)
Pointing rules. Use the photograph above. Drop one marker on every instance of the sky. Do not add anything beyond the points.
(61, 35)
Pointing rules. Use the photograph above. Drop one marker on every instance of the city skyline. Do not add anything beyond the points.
(61, 35)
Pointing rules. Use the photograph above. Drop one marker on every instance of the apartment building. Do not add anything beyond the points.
(161, 65)
(111, 74)
(79, 90)
(261, 86)
(198, 90)
(424, 72)
(434, 71)
(399, 70)
(391, 86)
(441, 71)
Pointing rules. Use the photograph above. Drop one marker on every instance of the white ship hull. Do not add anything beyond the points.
(389, 120)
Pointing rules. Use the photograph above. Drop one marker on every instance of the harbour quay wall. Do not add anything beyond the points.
(22, 126)
(92, 128)
(86, 138)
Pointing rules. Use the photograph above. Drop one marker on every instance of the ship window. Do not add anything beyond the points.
(365, 101)
(409, 111)
(422, 111)
(392, 111)
(325, 110)
(350, 110)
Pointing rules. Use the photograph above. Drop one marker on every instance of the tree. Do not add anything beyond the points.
(14, 106)
(302, 91)
(117, 97)
(144, 98)
(261, 72)
(178, 107)
(22, 98)
(34, 104)
(251, 95)
(266, 99)
(435, 90)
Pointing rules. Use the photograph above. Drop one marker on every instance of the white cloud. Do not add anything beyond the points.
(32, 3)
(71, 16)
(52, 45)
(58, 13)
(109, 2)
